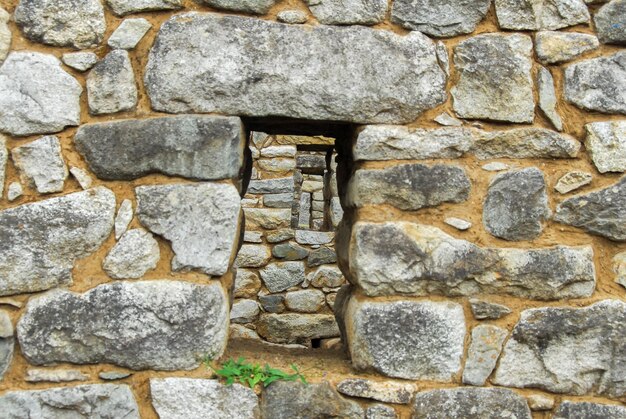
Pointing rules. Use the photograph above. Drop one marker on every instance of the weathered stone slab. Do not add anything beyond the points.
(39, 242)
(495, 81)
(7, 343)
(414, 259)
(609, 22)
(484, 310)
(267, 218)
(81, 61)
(253, 256)
(387, 142)
(380, 411)
(271, 186)
(123, 218)
(201, 220)
(378, 77)
(290, 251)
(554, 47)
(409, 186)
(352, 12)
(598, 84)
(310, 237)
(35, 375)
(128, 34)
(573, 180)
(247, 284)
(416, 340)
(161, 325)
(288, 400)
(602, 212)
(587, 410)
(62, 23)
(516, 205)
(568, 350)
(540, 14)
(440, 18)
(483, 353)
(5, 34)
(384, 391)
(136, 253)
(470, 403)
(95, 400)
(26, 107)
(547, 97)
(175, 397)
(606, 145)
(41, 164)
(244, 311)
(292, 16)
(305, 301)
(296, 328)
(280, 276)
(111, 85)
(191, 146)
(125, 7)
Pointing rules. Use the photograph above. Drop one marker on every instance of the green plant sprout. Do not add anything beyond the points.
(252, 374)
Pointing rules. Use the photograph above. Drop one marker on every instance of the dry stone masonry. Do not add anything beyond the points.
(423, 201)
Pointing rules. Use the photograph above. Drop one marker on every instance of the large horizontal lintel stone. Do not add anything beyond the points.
(191, 146)
(203, 62)
(403, 258)
(93, 400)
(158, 324)
(568, 350)
(416, 340)
(392, 142)
(296, 327)
(39, 242)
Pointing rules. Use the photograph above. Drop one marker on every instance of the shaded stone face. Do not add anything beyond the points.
(598, 84)
(159, 324)
(405, 339)
(470, 403)
(609, 22)
(568, 350)
(300, 79)
(124, 7)
(495, 81)
(402, 258)
(516, 205)
(409, 186)
(191, 146)
(295, 327)
(569, 409)
(201, 220)
(101, 400)
(175, 397)
(602, 212)
(287, 400)
(386, 391)
(39, 242)
(63, 23)
(440, 18)
(26, 107)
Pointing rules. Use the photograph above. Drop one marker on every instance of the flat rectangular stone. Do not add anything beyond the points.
(203, 62)
(271, 186)
(191, 146)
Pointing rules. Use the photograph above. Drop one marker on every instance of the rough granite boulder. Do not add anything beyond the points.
(403, 258)
(483, 353)
(191, 146)
(610, 24)
(516, 205)
(201, 220)
(553, 47)
(111, 85)
(540, 14)
(415, 340)
(440, 18)
(295, 400)
(180, 398)
(495, 80)
(470, 403)
(597, 84)
(371, 76)
(5, 34)
(38, 96)
(409, 186)
(606, 145)
(133, 255)
(40, 241)
(62, 23)
(106, 401)
(602, 212)
(125, 7)
(41, 164)
(568, 350)
(351, 12)
(159, 324)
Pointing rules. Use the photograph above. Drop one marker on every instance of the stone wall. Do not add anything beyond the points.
(481, 151)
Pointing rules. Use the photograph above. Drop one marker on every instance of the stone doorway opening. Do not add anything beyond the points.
(287, 276)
